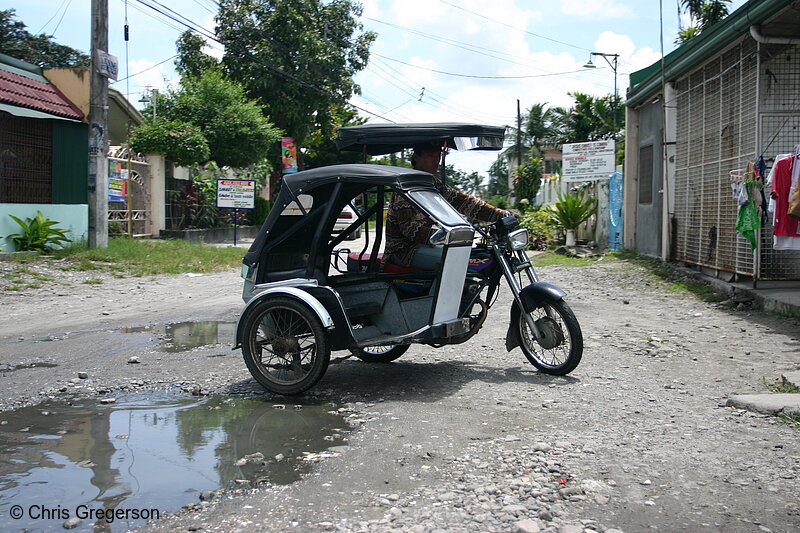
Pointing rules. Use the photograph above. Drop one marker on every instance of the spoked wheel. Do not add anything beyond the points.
(380, 354)
(285, 346)
(561, 347)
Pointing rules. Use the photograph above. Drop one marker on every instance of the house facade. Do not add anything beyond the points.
(44, 154)
(43, 162)
(693, 122)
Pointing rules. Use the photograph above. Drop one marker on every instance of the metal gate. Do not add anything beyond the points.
(138, 196)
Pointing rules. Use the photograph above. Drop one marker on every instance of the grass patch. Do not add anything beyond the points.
(33, 286)
(93, 281)
(782, 386)
(673, 281)
(792, 420)
(553, 259)
(153, 257)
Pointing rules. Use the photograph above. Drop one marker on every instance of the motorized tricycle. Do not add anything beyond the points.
(306, 296)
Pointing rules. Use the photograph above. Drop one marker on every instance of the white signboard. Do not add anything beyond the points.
(588, 161)
(236, 194)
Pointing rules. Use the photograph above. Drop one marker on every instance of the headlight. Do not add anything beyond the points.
(518, 239)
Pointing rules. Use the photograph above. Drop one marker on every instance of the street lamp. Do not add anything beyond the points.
(613, 63)
(152, 99)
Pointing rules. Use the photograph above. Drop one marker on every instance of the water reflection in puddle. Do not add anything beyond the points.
(184, 336)
(150, 453)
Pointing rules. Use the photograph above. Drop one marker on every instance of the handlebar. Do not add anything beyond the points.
(499, 228)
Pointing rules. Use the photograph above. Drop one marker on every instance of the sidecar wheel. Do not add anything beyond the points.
(380, 354)
(285, 347)
(561, 348)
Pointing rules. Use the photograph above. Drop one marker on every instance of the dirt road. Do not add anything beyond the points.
(469, 437)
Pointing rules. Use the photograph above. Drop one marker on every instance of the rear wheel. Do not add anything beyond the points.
(285, 346)
(380, 354)
(561, 347)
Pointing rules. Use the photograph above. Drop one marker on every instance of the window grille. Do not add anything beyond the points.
(25, 160)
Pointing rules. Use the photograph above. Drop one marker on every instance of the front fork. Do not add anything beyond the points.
(510, 269)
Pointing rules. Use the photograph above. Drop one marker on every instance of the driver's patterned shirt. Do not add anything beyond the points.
(407, 227)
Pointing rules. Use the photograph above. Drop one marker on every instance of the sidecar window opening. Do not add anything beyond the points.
(293, 209)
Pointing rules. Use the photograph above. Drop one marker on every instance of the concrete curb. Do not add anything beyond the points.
(771, 404)
(768, 404)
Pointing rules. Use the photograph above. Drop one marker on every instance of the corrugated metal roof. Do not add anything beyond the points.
(24, 91)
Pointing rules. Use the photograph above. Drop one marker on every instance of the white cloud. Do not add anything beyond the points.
(596, 8)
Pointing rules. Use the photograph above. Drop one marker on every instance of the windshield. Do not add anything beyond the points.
(437, 208)
(478, 143)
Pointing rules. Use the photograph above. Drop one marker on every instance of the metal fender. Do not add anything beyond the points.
(292, 292)
(532, 296)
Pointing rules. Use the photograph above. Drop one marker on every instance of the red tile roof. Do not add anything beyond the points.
(26, 92)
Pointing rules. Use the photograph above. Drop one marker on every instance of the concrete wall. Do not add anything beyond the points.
(74, 218)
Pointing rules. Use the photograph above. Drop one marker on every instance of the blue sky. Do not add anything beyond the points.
(473, 58)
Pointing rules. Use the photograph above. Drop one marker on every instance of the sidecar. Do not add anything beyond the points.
(306, 295)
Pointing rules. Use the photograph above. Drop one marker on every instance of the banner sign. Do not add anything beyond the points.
(588, 161)
(117, 182)
(236, 194)
(289, 155)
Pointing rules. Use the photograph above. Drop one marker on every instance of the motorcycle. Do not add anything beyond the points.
(306, 297)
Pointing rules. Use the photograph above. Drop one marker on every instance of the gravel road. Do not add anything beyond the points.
(467, 437)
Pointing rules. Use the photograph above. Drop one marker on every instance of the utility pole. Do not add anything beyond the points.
(98, 126)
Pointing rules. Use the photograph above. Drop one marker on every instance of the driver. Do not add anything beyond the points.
(408, 230)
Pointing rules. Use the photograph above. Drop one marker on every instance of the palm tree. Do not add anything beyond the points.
(703, 13)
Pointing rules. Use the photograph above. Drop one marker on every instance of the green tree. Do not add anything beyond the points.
(703, 14)
(296, 57)
(529, 179)
(498, 177)
(40, 50)
(182, 141)
(192, 61)
(539, 128)
(234, 127)
(589, 119)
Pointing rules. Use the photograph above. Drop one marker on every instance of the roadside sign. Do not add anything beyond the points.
(588, 161)
(107, 65)
(236, 194)
(117, 182)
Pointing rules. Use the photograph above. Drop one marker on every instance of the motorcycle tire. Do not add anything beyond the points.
(285, 346)
(380, 354)
(561, 348)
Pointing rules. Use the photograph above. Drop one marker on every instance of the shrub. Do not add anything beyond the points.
(257, 215)
(38, 234)
(572, 210)
(540, 228)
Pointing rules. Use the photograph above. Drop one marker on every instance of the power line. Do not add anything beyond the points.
(514, 27)
(199, 29)
(459, 75)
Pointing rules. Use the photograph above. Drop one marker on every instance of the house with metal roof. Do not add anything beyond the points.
(693, 122)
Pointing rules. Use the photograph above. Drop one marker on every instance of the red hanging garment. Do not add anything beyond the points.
(784, 225)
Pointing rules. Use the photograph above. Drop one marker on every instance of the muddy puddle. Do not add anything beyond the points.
(145, 456)
(185, 336)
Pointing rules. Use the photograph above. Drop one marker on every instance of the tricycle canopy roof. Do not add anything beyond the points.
(362, 174)
(378, 139)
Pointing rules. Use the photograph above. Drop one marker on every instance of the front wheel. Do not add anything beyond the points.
(380, 354)
(560, 348)
(285, 347)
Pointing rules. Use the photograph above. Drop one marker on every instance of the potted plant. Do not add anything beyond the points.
(571, 211)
